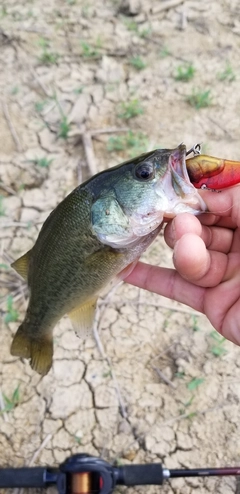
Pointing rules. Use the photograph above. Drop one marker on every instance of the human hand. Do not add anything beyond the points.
(206, 255)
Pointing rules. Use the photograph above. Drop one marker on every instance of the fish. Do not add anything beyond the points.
(95, 235)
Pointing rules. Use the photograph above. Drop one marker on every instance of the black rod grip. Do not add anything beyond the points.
(140, 474)
(22, 477)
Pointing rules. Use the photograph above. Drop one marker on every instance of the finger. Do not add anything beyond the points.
(222, 307)
(168, 283)
(212, 219)
(197, 264)
(227, 203)
(215, 238)
(179, 226)
(236, 243)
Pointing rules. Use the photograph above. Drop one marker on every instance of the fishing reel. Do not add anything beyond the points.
(86, 474)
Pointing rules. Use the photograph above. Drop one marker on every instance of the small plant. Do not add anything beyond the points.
(130, 109)
(195, 323)
(227, 74)
(191, 386)
(165, 52)
(180, 374)
(187, 404)
(47, 57)
(78, 439)
(2, 208)
(116, 143)
(89, 51)
(43, 162)
(131, 25)
(4, 266)
(107, 373)
(200, 99)
(144, 33)
(12, 402)
(39, 105)
(14, 90)
(136, 142)
(78, 90)
(12, 314)
(64, 128)
(3, 12)
(217, 349)
(137, 63)
(195, 383)
(184, 73)
(86, 11)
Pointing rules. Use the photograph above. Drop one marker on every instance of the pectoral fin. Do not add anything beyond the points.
(21, 265)
(82, 317)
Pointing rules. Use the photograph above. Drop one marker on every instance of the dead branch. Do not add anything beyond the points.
(38, 451)
(163, 377)
(89, 152)
(11, 127)
(168, 4)
(105, 357)
(108, 130)
(2, 407)
(7, 189)
(34, 458)
(39, 82)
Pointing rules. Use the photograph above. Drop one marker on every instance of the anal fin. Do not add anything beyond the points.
(82, 317)
(21, 265)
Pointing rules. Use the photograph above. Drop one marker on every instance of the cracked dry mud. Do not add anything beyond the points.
(70, 62)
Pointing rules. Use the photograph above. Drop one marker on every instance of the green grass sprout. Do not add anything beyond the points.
(12, 402)
(12, 314)
(200, 99)
(130, 109)
(184, 73)
(137, 63)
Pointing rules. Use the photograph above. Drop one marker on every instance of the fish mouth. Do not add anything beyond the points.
(176, 187)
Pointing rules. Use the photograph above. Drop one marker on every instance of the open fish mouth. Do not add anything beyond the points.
(176, 190)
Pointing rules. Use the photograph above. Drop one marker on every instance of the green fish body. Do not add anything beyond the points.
(93, 236)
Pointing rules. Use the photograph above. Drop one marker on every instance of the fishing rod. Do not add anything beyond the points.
(86, 474)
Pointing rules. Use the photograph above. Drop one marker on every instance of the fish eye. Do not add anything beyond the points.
(144, 171)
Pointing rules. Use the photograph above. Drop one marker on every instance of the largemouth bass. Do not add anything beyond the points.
(96, 234)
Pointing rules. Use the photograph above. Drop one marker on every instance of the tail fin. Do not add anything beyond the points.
(39, 350)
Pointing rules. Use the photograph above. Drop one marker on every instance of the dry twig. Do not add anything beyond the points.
(163, 377)
(11, 127)
(168, 4)
(89, 152)
(189, 414)
(108, 130)
(7, 189)
(38, 451)
(33, 459)
(2, 407)
(105, 357)
(40, 83)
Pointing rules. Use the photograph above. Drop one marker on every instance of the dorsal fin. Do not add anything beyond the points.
(21, 265)
(82, 317)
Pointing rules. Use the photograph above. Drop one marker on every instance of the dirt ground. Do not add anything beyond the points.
(84, 85)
